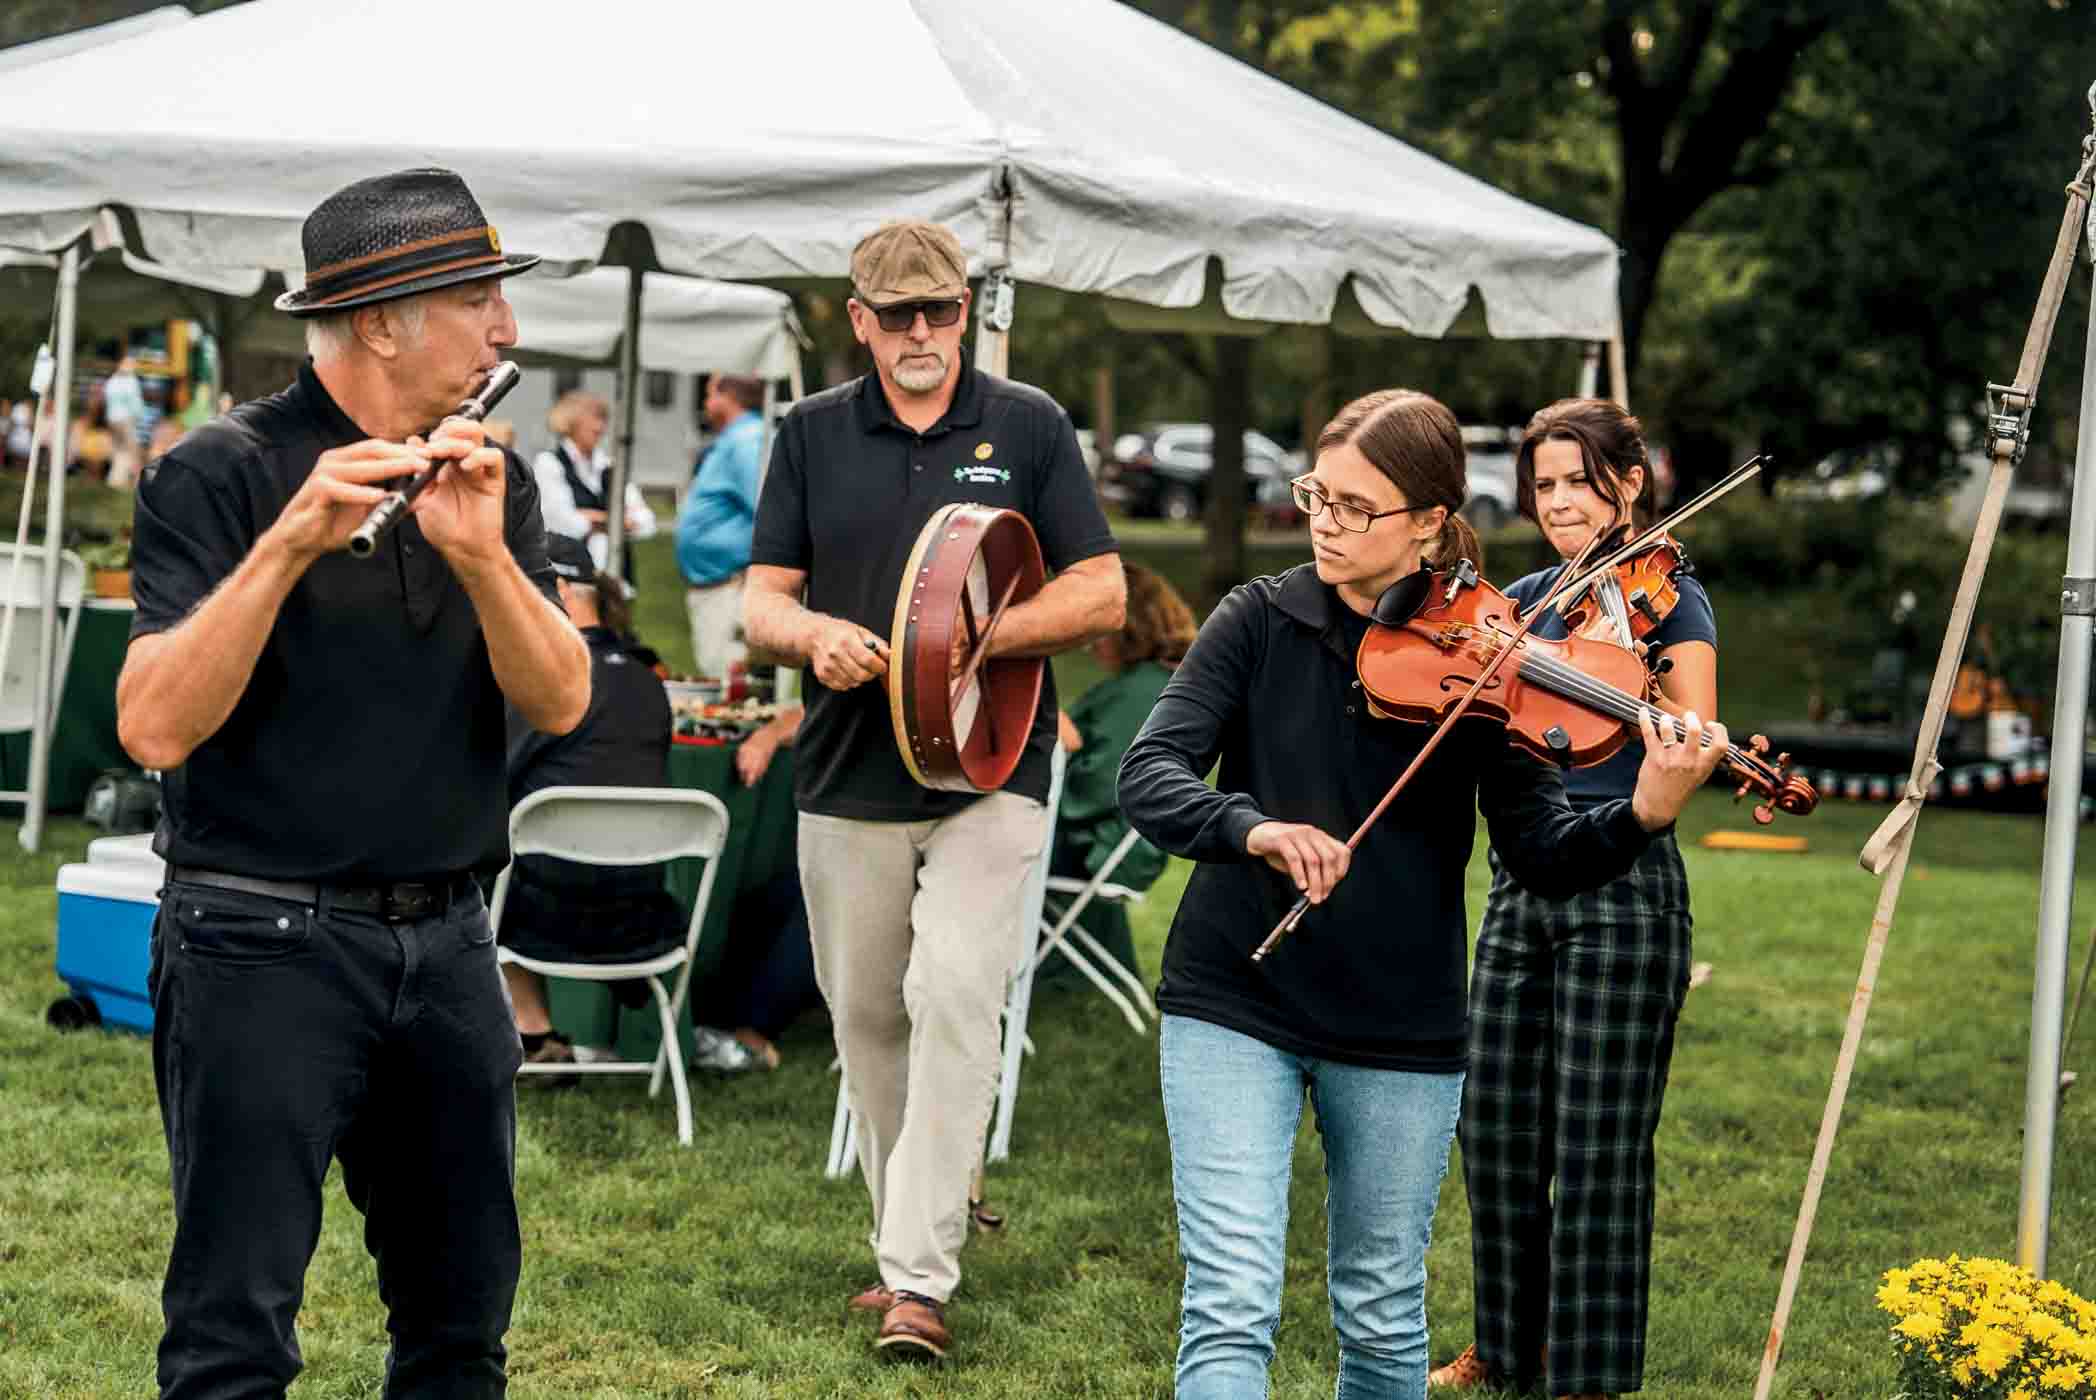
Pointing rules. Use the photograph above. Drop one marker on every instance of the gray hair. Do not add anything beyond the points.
(330, 336)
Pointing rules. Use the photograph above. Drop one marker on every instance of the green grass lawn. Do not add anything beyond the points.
(653, 1271)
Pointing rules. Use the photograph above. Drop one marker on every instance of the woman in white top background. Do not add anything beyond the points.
(572, 477)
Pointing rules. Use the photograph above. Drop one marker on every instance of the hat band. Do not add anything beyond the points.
(362, 289)
(480, 234)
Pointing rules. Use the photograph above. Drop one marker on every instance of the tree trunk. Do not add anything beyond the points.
(1317, 390)
(1103, 410)
(1225, 519)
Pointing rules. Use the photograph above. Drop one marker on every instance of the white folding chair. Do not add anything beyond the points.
(21, 594)
(624, 826)
(1087, 956)
(1018, 995)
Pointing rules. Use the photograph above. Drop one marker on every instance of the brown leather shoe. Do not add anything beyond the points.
(1466, 1372)
(879, 1298)
(914, 1326)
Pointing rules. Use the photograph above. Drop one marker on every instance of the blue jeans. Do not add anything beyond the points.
(1232, 1104)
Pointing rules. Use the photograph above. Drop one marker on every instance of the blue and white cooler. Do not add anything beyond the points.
(106, 907)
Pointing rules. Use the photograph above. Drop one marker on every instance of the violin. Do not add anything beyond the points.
(1443, 645)
(1627, 604)
(1574, 702)
(1625, 594)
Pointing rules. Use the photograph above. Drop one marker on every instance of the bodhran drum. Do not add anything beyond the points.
(962, 722)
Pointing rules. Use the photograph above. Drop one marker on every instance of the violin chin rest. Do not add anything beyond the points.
(1401, 601)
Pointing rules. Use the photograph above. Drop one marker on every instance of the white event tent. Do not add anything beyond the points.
(1080, 145)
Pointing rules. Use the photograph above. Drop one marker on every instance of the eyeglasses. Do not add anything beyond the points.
(903, 315)
(1310, 499)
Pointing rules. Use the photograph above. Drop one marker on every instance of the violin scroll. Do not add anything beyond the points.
(1780, 789)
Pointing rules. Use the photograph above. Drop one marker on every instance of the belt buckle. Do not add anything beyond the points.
(402, 902)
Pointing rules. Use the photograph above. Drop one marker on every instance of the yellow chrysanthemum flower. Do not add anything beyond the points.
(1923, 1325)
(2064, 1376)
(1995, 1351)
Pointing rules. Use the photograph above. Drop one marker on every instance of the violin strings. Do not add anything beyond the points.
(1574, 684)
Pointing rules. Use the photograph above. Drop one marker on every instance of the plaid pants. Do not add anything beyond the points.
(1572, 1011)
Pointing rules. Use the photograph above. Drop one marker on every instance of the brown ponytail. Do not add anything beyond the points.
(1414, 440)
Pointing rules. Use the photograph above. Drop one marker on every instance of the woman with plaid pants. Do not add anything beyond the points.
(1573, 1001)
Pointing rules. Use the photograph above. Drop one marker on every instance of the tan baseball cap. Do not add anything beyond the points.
(908, 260)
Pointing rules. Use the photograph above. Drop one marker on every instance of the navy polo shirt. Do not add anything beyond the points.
(369, 744)
(850, 487)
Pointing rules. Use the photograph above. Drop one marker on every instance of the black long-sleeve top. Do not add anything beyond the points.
(1376, 974)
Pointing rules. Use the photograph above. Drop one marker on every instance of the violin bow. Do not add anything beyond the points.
(1499, 659)
(1578, 579)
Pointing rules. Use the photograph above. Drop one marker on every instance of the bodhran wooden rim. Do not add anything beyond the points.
(965, 559)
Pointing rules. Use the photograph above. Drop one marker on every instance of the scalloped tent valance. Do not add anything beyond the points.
(1081, 145)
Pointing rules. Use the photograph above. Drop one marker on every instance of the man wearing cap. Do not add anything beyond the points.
(915, 896)
(331, 735)
(557, 910)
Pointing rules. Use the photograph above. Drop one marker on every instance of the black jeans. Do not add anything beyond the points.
(287, 1035)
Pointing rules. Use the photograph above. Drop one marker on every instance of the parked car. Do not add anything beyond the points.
(1489, 460)
(1163, 470)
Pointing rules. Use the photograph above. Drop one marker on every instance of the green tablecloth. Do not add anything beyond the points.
(761, 825)
(85, 741)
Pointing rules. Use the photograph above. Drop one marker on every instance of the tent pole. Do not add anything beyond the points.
(629, 403)
(1618, 372)
(2041, 1094)
(44, 714)
(1590, 369)
(993, 324)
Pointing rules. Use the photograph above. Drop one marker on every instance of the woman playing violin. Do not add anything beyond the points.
(1364, 1007)
(1573, 1000)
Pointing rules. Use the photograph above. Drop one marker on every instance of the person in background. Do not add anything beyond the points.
(1096, 731)
(17, 419)
(166, 433)
(557, 910)
(572, 476)
(718, 517)
(1574, 999)
(767, 976)
(125, 399)
(92, 445)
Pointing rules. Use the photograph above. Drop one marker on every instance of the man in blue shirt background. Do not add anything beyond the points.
(716, 521)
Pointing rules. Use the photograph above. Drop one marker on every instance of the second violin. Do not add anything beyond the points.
(1573, 702)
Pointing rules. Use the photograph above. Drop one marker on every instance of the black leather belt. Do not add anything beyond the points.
(395, 903)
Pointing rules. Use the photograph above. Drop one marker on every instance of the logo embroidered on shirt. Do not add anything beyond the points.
(983, 476)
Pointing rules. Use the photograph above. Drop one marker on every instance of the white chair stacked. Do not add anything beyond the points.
(624, 826)
(21, 594)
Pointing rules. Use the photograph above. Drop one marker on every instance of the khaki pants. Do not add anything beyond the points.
(916, 928)
(715, 610)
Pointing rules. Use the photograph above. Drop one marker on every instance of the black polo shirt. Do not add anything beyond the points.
(1376, 974)
(848, 490)
(369, 744)
(622, 741)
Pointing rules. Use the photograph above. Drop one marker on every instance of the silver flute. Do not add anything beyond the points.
(389, 512)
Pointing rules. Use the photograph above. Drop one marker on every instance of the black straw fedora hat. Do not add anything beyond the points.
(393, 236)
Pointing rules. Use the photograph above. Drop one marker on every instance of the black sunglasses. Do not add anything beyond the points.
(903, 314)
